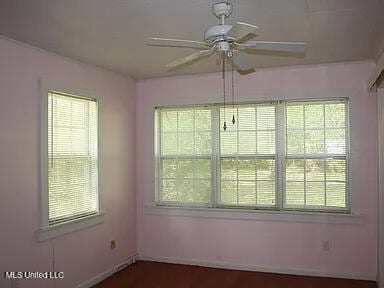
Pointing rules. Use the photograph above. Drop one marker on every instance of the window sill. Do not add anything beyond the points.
(54, 231)
(257, 215)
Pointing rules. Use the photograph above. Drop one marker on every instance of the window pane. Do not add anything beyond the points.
(202, 190)
(324, 131)
(185, 159)
(294, 170)
(185, 188)
(247, 193)
(315, 193)
(185, 121)
(228, 192)
(314, 141)
(266, 142)
(265, 169)
(314, 169)
(247, 142)
(169, 143)
(246, 118)
(228, 143)
(169, 190)
(295, 142)
(295, 117)
(335, 115)
(202, 120)
(203, 143)
(335, 141)
(335, 170)
(169, 168)
(294, 193)
(72, 157)
(266, 195)
(228, 169)
(202, 168)
(185, 168)
(186, 144)
(254, 132)
(169, 121)
(246, 169)
(336, 194)
(266, 117)
(314, 116)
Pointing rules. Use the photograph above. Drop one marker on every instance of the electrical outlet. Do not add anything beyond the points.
(112, 244)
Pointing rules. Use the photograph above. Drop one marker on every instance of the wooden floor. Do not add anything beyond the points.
(145, 274)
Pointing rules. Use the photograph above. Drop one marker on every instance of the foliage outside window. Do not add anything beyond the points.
(280, 155)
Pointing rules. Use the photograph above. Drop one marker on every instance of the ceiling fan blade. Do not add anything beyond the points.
(242, 32)
(189, 59)
(243, 63)
(177, 43)
(294, 47)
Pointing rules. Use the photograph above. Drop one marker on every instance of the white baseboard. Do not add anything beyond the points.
(104, 275)
(235, 266)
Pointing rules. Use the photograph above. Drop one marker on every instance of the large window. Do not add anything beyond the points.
(278, 155)
(72, 158)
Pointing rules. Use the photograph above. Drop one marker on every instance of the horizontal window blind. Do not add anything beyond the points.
(277, 155)
(185, 156)
(316, 149)
(248, 156)
(72, 157)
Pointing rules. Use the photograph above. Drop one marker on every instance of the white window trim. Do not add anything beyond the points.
(57, 230)
(47, 231)
(193, 210)
(256, 214)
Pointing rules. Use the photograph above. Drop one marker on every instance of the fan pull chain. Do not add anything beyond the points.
(233, 93)
(225, 123)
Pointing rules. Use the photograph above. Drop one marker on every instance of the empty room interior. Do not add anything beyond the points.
(191, 143)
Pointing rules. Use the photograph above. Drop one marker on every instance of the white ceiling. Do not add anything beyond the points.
(113, 33)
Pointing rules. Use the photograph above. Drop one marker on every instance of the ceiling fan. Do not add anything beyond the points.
(227, 41)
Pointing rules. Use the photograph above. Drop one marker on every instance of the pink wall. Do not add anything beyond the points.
(270, 245)
(278, 246)
(82, 254)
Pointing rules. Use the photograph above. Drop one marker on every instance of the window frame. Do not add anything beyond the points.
(348, 205)
(47, 230)
(159, 159)
(279, 156)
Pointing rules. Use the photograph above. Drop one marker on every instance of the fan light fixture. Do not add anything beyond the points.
(229, 42)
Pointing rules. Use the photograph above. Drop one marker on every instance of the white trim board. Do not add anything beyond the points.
(256, 268)
(258, 215)
(104, 275)
(377, 72)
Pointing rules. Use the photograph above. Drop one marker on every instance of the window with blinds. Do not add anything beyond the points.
(279, 155)
(72, 157)
(316, 155)
(248, 156)
(185, 155)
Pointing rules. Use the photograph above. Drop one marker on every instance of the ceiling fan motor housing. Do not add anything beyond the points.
(217, 33)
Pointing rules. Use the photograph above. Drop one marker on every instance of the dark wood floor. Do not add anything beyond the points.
(145, 274)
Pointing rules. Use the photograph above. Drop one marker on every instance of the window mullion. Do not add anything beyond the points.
(215, 155)
(159, 152)
(280, 152)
